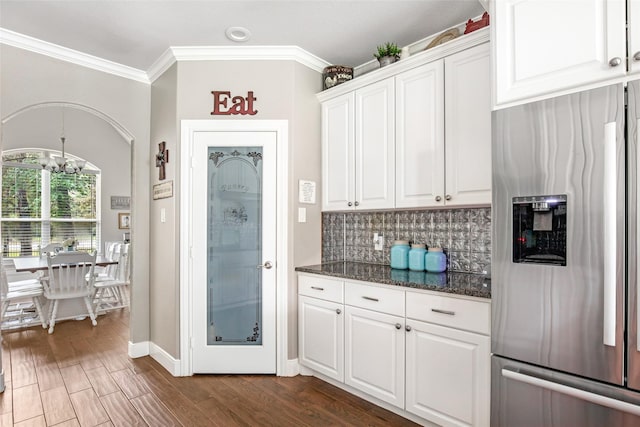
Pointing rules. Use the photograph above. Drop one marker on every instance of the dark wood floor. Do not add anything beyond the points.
(81, 376)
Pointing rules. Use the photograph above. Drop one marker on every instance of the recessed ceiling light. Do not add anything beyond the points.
(238, 34)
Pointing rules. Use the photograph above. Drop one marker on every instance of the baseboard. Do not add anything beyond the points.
(138, 349)
(291, 368)
(167, 361)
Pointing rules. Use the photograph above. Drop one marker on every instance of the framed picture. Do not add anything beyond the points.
(124, 220)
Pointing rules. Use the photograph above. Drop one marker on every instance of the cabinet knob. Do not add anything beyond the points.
(338, 311)
(636, 56)
(438, 198)
(349, 204)
(398, 326)
(408, 328)
(614, 62)
(447, 197)
(357, 203)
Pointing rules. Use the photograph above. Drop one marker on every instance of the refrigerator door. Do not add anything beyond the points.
(529, 396)
(633, 220)
(569, 318)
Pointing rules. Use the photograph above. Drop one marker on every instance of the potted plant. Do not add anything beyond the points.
(387, 53)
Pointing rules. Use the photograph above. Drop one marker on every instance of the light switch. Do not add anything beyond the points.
(163, 215)
(302, 214)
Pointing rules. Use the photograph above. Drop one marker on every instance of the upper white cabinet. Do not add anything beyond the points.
(544, 46)
(634, 36)
(358, 154)
(420, 137)
(468, 127)
(443, 134)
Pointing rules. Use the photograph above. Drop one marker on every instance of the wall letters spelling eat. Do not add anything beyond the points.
(239, 104)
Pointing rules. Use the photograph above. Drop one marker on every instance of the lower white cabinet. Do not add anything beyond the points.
(374, 354)
(426, 354)
(321, 336)
(448, 374)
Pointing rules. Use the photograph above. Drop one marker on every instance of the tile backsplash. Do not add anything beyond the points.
(465, 234)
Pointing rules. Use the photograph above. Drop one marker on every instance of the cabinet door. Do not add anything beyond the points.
(321, 336)
(374, 354)
(634, 36)
(544, 46)
(468, 127)
(338, 153)
(375, 146)
(420, 136)
(448, 375)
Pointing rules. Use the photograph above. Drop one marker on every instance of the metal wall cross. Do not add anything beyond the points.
(162, 157)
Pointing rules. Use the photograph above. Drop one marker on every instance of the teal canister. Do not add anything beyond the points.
(416, 257)
(400, 254)
(435, 260)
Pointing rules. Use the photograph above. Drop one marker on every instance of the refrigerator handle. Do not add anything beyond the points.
(588, 396)
(609, 249)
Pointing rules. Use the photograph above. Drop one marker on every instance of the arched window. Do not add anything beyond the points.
(40, 207)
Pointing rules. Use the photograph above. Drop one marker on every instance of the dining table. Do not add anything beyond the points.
(73, 308)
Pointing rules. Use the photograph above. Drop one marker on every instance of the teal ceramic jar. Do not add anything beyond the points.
(435, 260)
(400, 254)
(416, 257)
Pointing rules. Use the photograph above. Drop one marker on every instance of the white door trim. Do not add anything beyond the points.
(188, 128)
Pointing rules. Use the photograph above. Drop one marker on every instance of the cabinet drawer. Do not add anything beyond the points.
(389, 301)
(320, 287)
(457, 313)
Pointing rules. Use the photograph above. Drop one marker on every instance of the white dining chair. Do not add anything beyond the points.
(70, 276)
(112, 292)
(21, 299)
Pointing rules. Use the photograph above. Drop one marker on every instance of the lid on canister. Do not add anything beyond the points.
(435, 249)
(418, 246)
(401, 242)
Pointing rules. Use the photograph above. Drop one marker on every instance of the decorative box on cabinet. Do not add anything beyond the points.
(544, 46)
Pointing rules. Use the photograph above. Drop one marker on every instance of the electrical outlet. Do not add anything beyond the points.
(378, 241)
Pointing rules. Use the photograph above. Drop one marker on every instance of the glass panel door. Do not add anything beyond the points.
(234, 245)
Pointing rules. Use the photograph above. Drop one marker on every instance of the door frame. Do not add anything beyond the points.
(188, 129)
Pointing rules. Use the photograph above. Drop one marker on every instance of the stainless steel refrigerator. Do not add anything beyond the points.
(565, 344)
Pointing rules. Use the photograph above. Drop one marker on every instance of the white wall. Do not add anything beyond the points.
(28, 79)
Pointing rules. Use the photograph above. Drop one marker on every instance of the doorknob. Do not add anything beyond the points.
(266, 265)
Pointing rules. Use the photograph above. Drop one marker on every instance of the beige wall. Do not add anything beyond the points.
(284, 90)
(28, 78)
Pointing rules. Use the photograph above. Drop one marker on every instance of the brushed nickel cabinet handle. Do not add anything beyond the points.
(398, 326)
(636, 56)
(447, 197)
(408, 328)
(614, 62)
(357, 203)
(349, 204)
(438, 198)
(317, 288)
(338, 311)
(447, 312)
(371, 299)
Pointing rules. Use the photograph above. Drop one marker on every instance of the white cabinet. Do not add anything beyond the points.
(374, 354)
(448, 360)
(544, 46)
(634, 36)
(420, 136)
(443, 136)
(358, 154)
(321, 336)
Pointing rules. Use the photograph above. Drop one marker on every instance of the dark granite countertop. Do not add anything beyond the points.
(475, 285)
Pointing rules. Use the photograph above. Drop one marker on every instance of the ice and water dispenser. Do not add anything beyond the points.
(540, 230)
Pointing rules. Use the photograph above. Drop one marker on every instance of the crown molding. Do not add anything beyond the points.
(31, 44)
(234, 53)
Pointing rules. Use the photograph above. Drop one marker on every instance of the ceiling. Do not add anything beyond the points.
(136, 33)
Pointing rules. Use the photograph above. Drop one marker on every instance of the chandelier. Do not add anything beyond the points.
(60, 164)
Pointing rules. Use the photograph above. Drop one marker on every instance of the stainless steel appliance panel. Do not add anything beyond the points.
(554, 316)
(526, 396)
(633, 181)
